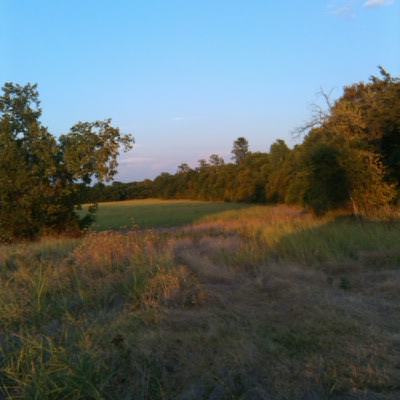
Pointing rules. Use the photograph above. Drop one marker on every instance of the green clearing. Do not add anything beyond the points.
(156, 213)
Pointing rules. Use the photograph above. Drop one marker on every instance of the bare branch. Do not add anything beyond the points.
(319, 115)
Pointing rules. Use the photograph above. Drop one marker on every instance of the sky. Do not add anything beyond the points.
(188, 77)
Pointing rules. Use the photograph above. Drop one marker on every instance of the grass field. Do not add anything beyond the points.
(254, 303)
(156, 213)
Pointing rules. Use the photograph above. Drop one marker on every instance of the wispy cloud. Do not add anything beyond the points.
(377, 3)
(135, 160)
(344, 8)
(179, 118)
(347, 8)
(148, 162)
(132, 169)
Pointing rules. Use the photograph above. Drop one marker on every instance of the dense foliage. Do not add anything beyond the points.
(42, 179)
(349, 158)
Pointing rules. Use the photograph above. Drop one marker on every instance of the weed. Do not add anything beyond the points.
(345, 283)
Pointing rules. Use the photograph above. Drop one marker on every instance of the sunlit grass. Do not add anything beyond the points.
(290, 234)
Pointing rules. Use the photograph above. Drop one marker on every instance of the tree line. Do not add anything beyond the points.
(349, 157)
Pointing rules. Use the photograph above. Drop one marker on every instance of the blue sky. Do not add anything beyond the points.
(188, 77)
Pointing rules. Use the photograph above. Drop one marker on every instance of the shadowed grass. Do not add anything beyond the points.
(261, 303)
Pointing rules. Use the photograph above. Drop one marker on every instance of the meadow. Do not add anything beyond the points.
(151, 213)
(237, 302)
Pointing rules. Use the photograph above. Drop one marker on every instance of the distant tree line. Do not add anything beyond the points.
(349, 158)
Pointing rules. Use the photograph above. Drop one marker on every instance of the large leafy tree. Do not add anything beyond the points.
(360, 133)
(42, 179)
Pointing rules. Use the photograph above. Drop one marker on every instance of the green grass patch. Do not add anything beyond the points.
(155, 213)
(375, 243)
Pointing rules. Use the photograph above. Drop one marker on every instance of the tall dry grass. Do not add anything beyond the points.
(265, 303)
(53, 309)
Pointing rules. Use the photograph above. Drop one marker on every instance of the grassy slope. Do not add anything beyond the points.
(260, 303)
